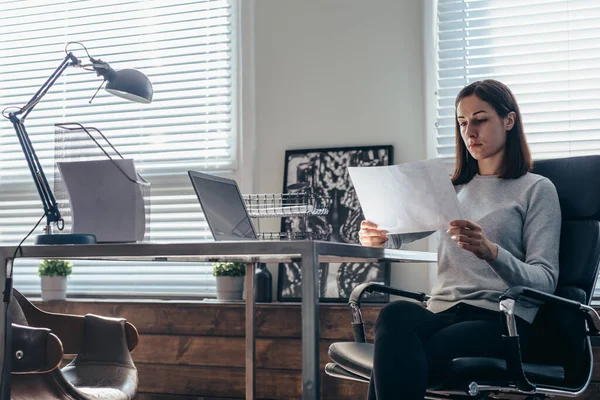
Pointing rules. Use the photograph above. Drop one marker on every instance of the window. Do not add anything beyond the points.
(546, 51)
(186, 48)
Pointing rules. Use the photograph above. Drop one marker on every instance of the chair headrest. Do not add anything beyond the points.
(577, 181)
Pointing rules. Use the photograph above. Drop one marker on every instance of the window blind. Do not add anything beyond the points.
(186, 49)
(546, 51)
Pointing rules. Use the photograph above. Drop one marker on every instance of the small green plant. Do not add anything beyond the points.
(229, 269)
(55, 268)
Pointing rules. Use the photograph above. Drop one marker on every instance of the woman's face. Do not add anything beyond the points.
(481, 128)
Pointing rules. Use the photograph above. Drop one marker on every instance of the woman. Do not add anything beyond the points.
(510, 236)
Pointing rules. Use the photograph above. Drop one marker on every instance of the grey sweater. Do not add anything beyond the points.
(522, 216)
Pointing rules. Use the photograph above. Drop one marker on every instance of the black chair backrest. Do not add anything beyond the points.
(577, 181)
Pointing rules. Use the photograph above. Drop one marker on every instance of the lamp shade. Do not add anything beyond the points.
(130, 84)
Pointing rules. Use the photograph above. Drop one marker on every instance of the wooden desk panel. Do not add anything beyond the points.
(197, 349)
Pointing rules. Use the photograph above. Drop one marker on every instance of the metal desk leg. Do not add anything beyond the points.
(310, 326)
(5, 325)
(250, 343)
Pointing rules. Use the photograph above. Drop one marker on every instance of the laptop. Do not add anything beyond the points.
(223, 207)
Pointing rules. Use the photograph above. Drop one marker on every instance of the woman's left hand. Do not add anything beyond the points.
(471, 237)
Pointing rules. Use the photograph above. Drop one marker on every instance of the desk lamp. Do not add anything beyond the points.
(129, 84)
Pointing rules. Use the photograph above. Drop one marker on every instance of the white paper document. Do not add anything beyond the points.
(412, 197)
(104, 202)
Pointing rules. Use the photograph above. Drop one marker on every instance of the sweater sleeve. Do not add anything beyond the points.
(541, 240)
(398, 239)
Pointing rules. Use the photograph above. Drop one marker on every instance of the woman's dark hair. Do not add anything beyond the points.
(517, 157)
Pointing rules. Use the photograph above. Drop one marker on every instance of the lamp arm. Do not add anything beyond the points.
(35, 167)
(39, 178)
(69, 60)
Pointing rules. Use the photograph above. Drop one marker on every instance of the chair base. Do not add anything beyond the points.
(468, 378)
(336, 371)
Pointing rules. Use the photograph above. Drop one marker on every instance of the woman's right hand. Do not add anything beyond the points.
(371, 235)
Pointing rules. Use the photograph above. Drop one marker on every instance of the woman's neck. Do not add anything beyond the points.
(491, 165)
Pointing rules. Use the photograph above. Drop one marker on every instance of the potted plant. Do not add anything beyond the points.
(54, 279)
(230, 279)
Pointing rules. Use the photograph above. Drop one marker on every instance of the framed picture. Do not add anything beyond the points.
(325, 172)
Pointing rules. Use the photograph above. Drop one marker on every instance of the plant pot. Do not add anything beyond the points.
(54, 288)
(230, 287)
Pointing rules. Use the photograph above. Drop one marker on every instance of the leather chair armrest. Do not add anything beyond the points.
(371, 287)
(358, 326)
(517, 292)
(34, 350)
(508, 301)
(69, 328)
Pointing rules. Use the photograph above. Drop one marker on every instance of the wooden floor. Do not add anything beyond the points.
(195, 351)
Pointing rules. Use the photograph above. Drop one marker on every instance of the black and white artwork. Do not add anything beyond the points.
(325, 172)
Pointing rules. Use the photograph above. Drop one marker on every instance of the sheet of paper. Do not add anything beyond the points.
(104, 201)
(405, 198)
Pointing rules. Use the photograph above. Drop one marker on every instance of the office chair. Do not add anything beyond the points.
(562, 359)
(101, 369)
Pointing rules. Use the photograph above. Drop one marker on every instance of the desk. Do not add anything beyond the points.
(309, 253)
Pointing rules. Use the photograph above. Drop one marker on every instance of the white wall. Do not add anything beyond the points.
(331, 73)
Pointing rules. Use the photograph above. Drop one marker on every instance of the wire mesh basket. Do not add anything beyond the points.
(274, 236)
(301, 204)
(273, 205)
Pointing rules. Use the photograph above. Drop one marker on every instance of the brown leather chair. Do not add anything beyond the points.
(102, 367)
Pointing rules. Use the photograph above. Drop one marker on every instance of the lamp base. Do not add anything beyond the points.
(66, 238)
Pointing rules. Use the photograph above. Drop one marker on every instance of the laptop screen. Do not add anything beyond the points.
(223, 207)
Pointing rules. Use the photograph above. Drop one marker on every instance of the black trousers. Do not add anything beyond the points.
(414, 346)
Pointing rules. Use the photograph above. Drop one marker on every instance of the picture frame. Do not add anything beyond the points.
(324, 171)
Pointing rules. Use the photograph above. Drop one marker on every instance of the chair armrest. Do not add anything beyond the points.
(508, 301)
(371, 287)
(517, 292)
(34, 350)
(358, 327)
(69, 328)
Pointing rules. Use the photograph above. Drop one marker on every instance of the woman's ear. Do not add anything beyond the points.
(509, 121)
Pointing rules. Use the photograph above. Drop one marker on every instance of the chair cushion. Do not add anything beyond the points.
(357, 359)
(103, 369)
(100, 380)
(332, 369)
